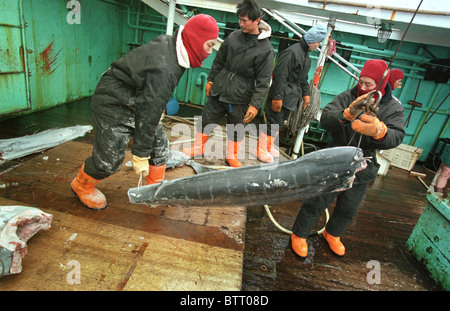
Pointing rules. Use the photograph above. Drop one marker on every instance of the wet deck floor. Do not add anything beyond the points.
(378, 233)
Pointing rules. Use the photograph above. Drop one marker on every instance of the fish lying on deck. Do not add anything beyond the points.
(323, 171)
(17, 225)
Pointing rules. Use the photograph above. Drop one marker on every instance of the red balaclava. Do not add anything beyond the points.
(394, 75)
(374, 69)
(196, 32)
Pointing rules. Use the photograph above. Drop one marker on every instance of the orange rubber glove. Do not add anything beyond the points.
(140, 165)
(355, 108)
(306, 100)
(208, 88)
(277, 104)
(369, 125)
(250, 114)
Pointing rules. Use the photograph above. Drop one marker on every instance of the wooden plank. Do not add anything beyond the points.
(106, 253)
(202, 246)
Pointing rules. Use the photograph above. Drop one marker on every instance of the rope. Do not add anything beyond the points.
(266, 207)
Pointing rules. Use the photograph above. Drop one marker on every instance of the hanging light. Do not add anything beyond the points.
(384, 32)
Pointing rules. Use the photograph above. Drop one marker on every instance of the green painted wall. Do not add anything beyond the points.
(65, 52)
(50, 55)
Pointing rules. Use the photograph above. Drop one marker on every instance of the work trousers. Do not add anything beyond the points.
(347, 204)
(215, 110)
(110, 144)
(275, 120)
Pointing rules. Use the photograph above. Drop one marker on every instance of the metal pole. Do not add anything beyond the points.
(170, 17)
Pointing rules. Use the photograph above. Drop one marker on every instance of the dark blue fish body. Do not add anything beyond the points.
(323, 171)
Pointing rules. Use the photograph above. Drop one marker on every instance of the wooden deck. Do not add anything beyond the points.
(135, 247)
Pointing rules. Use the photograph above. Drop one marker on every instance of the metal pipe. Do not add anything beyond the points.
(387, 53)
(201, 79)
(170, 17)
(279, 19)
(137, 26)
(339, 57)
(382, 7)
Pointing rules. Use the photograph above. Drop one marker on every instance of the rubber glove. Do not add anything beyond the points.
(277, 104)
(250, 114)
(369, 125)
(140, 165)
(208, 88)
(306, 100)
(355, 108)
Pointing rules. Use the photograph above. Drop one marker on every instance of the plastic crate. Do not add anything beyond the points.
(404, 156)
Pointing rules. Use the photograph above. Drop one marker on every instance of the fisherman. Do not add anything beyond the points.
(238, 81)
(290, 84)
(342, 119)
(129, 101)
(395, 78)
(439, 183)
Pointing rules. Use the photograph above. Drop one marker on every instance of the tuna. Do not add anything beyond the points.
(323, 171)
(17, 225)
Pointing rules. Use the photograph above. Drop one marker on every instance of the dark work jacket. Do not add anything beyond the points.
(241, 72)
(135, 90)
(290, 76)
(391, 112)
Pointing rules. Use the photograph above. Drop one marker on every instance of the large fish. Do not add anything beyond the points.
(323, 171)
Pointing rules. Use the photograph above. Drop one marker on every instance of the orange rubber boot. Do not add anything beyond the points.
(263, 147)
(299, 245)
(232, 152)
(84, 187)
(272, 150)
(156, 174)
(335, 243)
(198, 148)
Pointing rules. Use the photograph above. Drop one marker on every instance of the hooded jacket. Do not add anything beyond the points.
(391, 112)
(290, 76)
(241, 72)
(135, 90)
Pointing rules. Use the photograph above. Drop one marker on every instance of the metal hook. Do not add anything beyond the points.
(374, 105)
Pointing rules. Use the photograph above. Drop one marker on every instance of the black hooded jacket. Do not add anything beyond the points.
(241, 71)
(290, 76)
(391, 112)
(135, 90)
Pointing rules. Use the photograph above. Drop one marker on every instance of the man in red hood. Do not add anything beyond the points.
(129, 101)
(348, 122)
(395, 78)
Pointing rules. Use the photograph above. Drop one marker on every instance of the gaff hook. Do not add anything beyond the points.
(371, 103)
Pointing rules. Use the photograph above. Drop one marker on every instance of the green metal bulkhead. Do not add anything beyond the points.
(54, 51)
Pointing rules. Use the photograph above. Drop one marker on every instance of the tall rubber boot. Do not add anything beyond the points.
(156, 174)
(198, 147)
(232, 152)
(299, 245)
(84, 187)
(273, 150)
(335, 243)
(263, 147)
